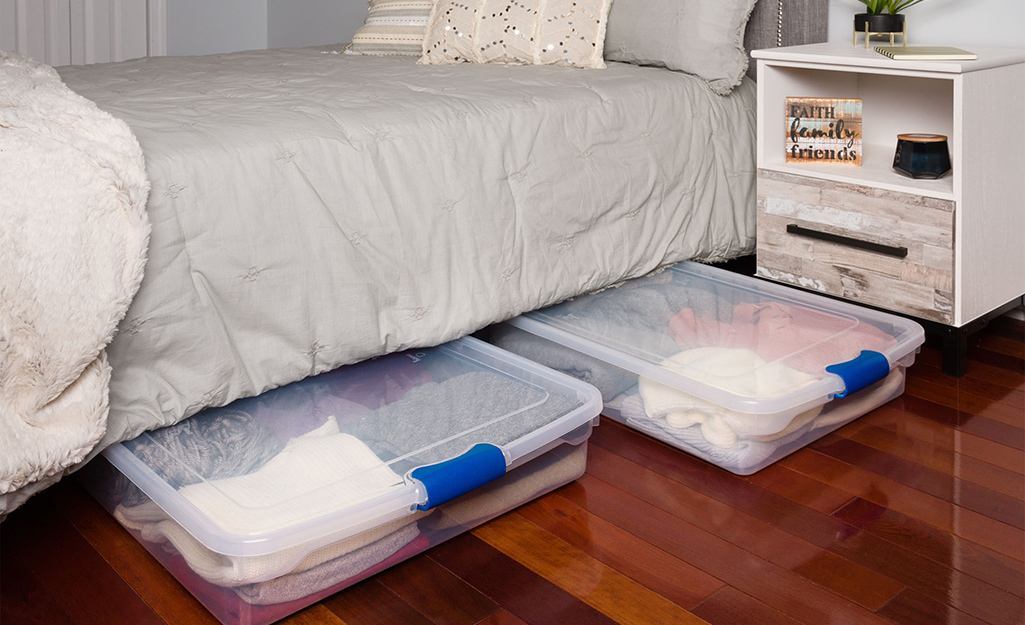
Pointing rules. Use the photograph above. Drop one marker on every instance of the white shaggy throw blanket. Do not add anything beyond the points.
(73, 236)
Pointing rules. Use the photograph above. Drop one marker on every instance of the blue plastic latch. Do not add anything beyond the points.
(865, 370)
(447, 480)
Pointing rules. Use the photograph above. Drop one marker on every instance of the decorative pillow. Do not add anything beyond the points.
(701, 37)
(393, 27)
(539, 32)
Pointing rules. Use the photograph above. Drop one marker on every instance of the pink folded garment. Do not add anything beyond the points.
(802, 338)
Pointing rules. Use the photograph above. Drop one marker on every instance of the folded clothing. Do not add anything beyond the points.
(290, 411)
(741, 455)
(641, 310)
(748, 454)
(237, 440)
(437, 421)
(799, 337)
(737, 371)
(374, 383)
(610, 380)
(154, 525)
(346, 394)
(229, 607)
(304, 583)
(633, 316)
(217, 444)
(316, 474)
(551, 470)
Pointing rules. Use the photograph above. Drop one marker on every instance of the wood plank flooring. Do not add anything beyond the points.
(913, 514)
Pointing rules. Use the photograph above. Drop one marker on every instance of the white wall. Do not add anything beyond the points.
(965, 23)
(213, 26)
(295, 23)
(62, 32)
(208, 26)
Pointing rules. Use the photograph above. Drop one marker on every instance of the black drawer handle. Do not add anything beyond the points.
(889, 250)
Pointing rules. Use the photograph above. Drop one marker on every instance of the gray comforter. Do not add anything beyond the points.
(312, 209)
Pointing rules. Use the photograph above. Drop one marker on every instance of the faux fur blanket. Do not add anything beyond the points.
(73, 237)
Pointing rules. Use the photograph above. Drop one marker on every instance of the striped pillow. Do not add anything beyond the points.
(393, 27)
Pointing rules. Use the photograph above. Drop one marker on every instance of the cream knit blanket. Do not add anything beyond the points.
(73, 237)
(739, 372)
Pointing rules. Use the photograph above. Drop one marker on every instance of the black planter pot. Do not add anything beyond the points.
(880, 23)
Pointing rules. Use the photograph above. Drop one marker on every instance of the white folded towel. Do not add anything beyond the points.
(737, 371)
(154, 525)
(748, 454)
(316, 474)
(742, 457)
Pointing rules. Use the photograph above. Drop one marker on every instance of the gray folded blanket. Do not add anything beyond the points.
(610, 380)
(478, 407)
(218, 444)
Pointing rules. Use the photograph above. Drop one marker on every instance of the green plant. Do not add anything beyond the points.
(896, 6)
(893, 7)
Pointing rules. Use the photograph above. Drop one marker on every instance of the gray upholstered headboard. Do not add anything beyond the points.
(776, 23)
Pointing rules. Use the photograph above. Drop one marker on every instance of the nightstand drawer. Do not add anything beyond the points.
(884, 248)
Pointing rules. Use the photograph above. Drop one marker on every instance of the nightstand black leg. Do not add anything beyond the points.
(955, 340)
(955, 351)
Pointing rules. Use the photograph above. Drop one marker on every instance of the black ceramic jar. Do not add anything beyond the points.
(922, 155)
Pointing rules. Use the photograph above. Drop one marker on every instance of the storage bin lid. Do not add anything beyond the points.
(744, 344)
(315, 462)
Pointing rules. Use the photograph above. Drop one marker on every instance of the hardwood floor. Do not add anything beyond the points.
(912, 514)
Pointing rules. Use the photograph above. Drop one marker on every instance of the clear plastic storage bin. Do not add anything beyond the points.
(735, 370)
(274, 502)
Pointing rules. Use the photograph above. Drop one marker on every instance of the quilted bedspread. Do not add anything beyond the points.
(312, 209)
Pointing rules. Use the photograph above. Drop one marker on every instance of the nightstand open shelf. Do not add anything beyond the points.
(876, 171)
(891, 104)
(822, 226)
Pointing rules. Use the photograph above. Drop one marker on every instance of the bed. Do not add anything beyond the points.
(311, 209)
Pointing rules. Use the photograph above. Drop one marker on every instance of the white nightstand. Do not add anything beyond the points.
(949, 251)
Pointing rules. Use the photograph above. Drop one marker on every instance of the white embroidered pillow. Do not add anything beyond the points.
(570, 33)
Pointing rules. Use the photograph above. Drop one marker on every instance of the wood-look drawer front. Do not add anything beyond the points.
(888, 249)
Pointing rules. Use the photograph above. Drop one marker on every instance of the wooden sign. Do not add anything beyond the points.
(824, 130)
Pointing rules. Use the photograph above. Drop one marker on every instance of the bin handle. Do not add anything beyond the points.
(867, 369)
(444, 481)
